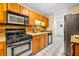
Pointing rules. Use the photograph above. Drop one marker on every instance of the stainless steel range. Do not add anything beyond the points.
(18, 42)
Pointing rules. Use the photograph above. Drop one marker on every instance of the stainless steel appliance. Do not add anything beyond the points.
(15, 18)
(18, 42)
(26, 22)
(50, 38)
(71, 27)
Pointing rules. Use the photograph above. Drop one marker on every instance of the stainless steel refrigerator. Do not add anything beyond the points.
(71, 27)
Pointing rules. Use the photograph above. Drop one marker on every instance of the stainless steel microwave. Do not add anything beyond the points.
(14, 18)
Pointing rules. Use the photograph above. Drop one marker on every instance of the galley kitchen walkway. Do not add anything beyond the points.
(54, 49)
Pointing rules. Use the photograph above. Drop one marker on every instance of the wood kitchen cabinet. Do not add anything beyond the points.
(46, 39)
(32, 17)
(2, 40)
(23, 10)
(2, 17)
(75, 49)
(3, 8)
(2, 49)
(42, 40)
(39, 42)
(13, 7)
(45, 21)
(35, 44)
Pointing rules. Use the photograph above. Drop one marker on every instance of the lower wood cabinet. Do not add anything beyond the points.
(2, 49)
(75, 49)
(39, 42)
(2, 40)
(46, 40)
(42, 41)
(35, 44)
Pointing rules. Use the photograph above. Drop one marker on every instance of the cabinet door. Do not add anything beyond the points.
(35, 44)
(2, 40)
(2, 49)
(76, 49)
(13, 7)
(46, 39)
(46, 21)
(38, 43)
(32, 18)
(23, 10)
(42, 41)
(3, 8)
(2, 17)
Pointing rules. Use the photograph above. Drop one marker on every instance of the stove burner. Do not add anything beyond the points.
(14, 36)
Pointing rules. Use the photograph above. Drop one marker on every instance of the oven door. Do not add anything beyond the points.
(19, 49)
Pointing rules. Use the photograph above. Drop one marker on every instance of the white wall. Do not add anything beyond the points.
(51, 22)
(54, 23)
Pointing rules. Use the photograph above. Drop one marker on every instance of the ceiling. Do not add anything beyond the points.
(49, 8)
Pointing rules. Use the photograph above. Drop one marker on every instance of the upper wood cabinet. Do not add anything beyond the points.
(23, 10)
(44, 21)
(32, 17)
(13, 7)
(2, 17)
(18, 8)
(3, 8)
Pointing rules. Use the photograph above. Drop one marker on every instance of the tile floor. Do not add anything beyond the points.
(54, 49)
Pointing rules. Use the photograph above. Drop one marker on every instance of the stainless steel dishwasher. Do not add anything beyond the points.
(49, 38)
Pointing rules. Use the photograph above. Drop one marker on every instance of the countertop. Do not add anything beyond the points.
(38, 33)
(75, 39)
